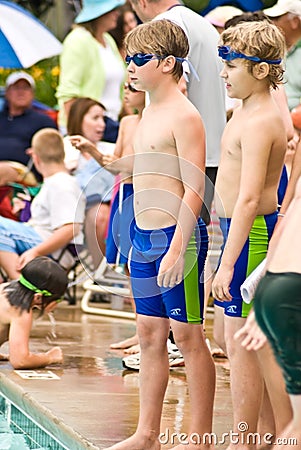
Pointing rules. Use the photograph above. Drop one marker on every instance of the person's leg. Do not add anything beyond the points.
(15, 239)
(190, 340)
(8, 262)
(96, 222)
(131, 344)
(277, 306)
(245, 380)
(275, 386)
(218, 329)
(266, 422)
(290, 439)
(154, 372)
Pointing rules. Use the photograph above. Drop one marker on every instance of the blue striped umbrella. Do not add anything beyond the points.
(24, 40)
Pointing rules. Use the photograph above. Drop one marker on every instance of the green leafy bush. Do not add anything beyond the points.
(46, 76)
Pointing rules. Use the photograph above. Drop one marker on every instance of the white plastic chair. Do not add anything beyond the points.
(106, 281)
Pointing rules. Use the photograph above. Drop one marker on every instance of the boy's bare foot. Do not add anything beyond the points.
(136, 442)
(218, 353)
(132, 350)
(126, 343)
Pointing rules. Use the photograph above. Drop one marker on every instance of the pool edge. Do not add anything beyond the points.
(43, 416)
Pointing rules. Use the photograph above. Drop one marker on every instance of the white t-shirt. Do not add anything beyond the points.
(58, 203)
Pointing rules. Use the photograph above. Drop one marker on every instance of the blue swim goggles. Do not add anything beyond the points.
(140, 59)
(227, 54)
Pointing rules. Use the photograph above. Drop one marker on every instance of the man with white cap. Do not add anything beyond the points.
(286, 14)
(18, 123)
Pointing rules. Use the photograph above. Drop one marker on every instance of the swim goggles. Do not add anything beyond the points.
(140, 59)
(227, 54)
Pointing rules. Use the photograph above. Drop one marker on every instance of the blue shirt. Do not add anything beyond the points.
(16, 133)
(245, 5)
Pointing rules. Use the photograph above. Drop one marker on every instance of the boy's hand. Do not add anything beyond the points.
(221, 284)
(171, 270)
(19, 202)
(82, 144)
(253, 337)
(26, 257)
(55, 355)
(108, 159)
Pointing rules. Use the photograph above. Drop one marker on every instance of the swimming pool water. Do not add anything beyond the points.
(20, 432)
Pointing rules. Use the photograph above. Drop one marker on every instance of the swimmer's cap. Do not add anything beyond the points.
(43, 275)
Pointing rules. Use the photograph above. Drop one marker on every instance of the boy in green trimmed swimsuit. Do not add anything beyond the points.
(253, 149)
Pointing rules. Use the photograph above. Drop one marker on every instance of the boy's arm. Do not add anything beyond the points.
(190, 144)
(59, 239)
(19, 355)
(116, 163)
(294, 176)
(291, 210)
(85, 146)
(280, 98)
(256, 145)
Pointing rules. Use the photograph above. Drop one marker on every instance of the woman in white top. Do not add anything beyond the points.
(91, 65)
(86, 118)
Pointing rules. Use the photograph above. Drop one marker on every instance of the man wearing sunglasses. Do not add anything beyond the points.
(206, 90)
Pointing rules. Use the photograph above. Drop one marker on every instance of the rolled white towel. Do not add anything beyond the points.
(247, 289)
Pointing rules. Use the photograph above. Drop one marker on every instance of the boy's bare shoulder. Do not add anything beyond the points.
(184, 110)
(266, 118)
(129, 118)
(129, 121)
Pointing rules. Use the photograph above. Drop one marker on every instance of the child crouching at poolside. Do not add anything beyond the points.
(41, 285)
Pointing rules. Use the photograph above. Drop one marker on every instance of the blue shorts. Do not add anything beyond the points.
(17, 237)
(121, 226)
(185, 301)
(253, 252)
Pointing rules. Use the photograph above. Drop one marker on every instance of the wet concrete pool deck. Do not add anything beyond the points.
(95, 402)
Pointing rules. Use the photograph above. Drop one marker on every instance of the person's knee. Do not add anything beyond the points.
(233, 347)
(149, 336)
(186, 337)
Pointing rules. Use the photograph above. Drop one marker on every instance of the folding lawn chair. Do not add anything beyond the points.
(106, 280)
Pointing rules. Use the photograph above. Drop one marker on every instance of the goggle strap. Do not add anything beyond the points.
(187, 68)
(22, 280)
(225, 52)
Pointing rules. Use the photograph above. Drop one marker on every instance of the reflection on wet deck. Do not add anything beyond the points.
(95, 396)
